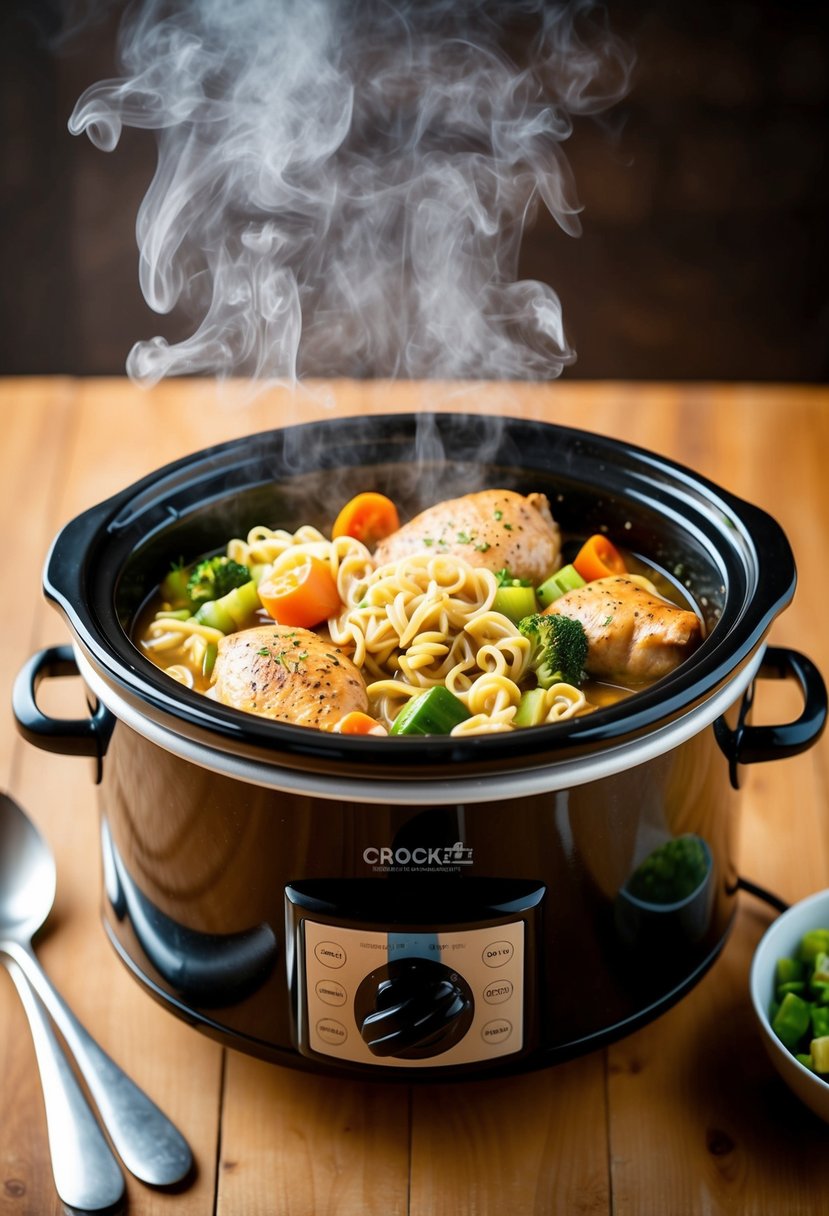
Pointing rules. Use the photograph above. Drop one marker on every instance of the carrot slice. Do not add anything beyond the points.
(358, 723)
(367, 517)
(303, 594)
(599, 558)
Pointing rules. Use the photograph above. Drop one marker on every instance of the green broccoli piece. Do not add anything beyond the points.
(215, 577)
(560, 648)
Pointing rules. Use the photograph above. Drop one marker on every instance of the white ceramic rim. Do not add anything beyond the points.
(491, 787)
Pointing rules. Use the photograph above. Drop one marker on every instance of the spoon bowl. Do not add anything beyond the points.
(28, 877)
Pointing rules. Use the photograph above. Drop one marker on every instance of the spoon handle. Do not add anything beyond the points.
(147, 1142)
(86, 1174)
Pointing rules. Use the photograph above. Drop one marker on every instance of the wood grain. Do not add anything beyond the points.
(686, 1116)
(298, 1145)
(531, 1144)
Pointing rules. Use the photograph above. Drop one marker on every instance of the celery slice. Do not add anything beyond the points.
(531, 707)
(215, 614)
(430, 713)
(209, 660)
(514, 602)
(558, 584)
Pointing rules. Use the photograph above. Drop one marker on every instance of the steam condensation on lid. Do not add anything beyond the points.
(342, 187)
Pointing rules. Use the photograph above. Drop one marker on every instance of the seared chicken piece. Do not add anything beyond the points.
(631, 634)
(286, 673)
(493, 529)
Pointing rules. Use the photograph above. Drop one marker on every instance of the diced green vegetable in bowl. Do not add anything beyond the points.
(790, 993)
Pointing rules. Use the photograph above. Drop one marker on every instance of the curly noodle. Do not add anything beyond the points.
(409, 625)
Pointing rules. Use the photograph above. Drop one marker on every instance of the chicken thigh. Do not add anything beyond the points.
(632, 635)
(493, 529)
(287, 673)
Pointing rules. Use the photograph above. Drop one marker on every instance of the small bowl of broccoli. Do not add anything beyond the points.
(789, 986)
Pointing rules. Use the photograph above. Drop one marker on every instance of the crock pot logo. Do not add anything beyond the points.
(443, 857)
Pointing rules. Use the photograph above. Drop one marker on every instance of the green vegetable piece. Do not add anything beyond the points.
(174, 587)
(233, 611)
(820, 1021)
(792, 1020)
(514, 602)
(531, 707)
(174, 614)
(820, 992)
(558, 584)
(434, 712)
(214, 578)
(820, 975)
(813, 943)
(216, 615)
(819, 1051)
(805, 1059)
(242, 602)
(211, 650)
(789, 969)
(559, 648)
(792, 986)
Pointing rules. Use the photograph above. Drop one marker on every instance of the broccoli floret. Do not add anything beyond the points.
(560, 648)
(214, 577)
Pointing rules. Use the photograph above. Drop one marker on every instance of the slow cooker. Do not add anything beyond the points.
(419, 908)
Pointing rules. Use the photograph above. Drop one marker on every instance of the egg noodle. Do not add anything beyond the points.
(423, 620)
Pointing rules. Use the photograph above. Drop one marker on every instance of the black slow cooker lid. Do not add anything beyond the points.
(734, 558)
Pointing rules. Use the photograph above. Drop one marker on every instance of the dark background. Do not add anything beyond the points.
(706, 197)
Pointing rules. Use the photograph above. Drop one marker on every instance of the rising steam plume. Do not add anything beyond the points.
(342, 185)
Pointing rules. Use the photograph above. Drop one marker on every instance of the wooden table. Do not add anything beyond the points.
(684, 1117)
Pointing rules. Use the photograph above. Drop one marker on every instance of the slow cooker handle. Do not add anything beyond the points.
(67, 736)
(754, 744)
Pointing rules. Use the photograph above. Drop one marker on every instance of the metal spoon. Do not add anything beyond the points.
(87, 1176)
(145, 1139)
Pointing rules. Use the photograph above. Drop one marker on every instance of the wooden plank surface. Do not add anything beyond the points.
(686, 1116)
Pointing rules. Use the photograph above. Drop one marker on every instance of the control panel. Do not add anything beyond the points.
(410, 999)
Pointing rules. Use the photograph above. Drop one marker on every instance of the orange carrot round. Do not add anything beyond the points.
(599, 558)
(368, 517)
(358, 723)
(303, 594)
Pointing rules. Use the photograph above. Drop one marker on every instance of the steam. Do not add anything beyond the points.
(342, 187)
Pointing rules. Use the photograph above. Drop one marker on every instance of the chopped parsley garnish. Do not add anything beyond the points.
(507, 527)
(482, 546)
(464, 538)
(498, 515)
(279, 656)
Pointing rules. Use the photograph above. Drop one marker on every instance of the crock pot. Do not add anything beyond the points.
(419, 908)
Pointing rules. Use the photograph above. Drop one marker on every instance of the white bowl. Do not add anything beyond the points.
(780, 940)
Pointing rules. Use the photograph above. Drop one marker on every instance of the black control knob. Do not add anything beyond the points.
(413, 1008)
